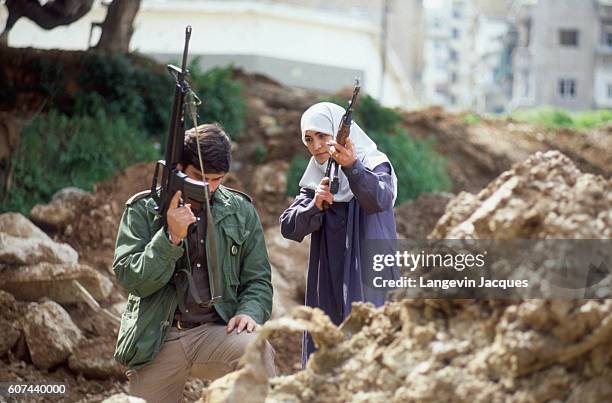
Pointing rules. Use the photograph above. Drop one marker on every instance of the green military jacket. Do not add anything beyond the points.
(145, 260)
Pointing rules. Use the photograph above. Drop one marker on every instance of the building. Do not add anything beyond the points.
(317, 46)
(564, 54)
(466, 60)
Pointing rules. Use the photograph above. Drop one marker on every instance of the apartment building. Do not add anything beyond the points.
(466, 62)
(563, 56)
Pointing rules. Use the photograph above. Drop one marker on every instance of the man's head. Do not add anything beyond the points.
(216, 154)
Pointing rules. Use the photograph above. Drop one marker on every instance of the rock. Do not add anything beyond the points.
(31, 251)
(270, 179)
(50, 334)
(16, 225)
(544, 197)
(61, 210)
(9, 335)
(288, 260)
(250, 382)
(54, 281)
(123, 398)
(94, 359)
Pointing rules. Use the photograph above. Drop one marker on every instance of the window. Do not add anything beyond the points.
(453, 56)
(610, 91)
(455, 33)
(567, 88)
(606, 34)
(453, 77)
(568, 37)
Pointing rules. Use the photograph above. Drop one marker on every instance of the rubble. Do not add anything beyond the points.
(94, 359)
(22, 243)
(424, 350)
(29, 283)
(62, 209)
(50, 334)
(544, 197)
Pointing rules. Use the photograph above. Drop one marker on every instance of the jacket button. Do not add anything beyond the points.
(198, 265)
(234, 250)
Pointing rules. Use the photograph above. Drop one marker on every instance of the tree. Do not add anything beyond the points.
(118, 26)
(49, 15)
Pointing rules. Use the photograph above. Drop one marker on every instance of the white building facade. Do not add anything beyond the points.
(299, 46)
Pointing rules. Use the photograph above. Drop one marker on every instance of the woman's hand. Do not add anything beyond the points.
(344, 155)
(322, 194)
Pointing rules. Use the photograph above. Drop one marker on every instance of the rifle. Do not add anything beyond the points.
(344, 131)
(174, 180)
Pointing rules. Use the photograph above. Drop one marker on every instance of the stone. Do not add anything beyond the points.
(94, 359)
(50, 334)
(29, 283)
(16, 225)
(31, 251)
(123, 398)
(8, 336)
(61, 210)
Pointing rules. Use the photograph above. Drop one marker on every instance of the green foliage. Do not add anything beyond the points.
(222, 99)
(260, 153)
(472, 119)
(558, 118)
(57, 151)
(294, 174)
(418, 167)
(127, 86)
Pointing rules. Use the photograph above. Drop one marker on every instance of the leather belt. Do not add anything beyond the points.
(182, 325)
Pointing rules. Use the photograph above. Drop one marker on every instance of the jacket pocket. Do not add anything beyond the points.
(124, 351)
(234, 237)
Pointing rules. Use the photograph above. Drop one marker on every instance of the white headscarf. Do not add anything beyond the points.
(325, 117)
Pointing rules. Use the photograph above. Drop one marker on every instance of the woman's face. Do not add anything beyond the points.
(317, 145)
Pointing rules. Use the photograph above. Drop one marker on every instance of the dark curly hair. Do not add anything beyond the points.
(214, 144)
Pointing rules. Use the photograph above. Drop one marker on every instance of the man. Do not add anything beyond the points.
(165, 335)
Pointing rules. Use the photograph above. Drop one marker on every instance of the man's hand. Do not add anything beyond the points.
(322, 194)
(179, 219)
(241, 322)
(344, 155)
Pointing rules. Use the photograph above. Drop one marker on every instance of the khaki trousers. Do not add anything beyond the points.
(206, 351)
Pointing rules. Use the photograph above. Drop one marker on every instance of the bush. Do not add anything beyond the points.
(57, 151)
(418, 167)
(558, 118)
(134, 87)
(222, 99)
(294, 174)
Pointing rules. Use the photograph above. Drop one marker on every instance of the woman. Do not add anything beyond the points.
(340, 224)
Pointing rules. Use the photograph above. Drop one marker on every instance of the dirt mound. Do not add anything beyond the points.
(469, 350)
(544, 197)
(476, 153)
